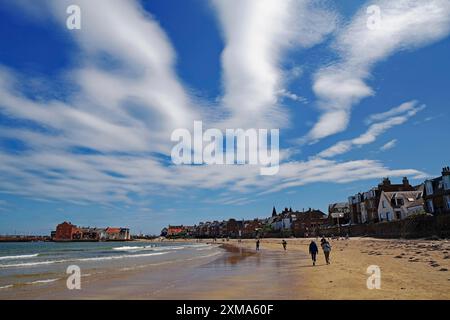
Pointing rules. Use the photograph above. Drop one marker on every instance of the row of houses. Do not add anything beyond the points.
(286, 223)
(67, 231)
(384, 202)
(389, 202)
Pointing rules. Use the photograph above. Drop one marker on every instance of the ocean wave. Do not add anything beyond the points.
(127, 248)
(122, 256)
(23, 256)
(148, 248)
(31, 264)
(39, 263)
(43, 281)
(7, 286)
(168, 248)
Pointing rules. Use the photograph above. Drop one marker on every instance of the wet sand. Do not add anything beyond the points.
(238, 273)
(410, 269)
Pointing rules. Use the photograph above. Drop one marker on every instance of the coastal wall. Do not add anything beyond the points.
(414, 227)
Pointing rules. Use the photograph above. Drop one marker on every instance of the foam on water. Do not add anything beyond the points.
(39, 263)
(6, 287)
(43, 281)
(148, 248)
(23, 256)
(122, 256)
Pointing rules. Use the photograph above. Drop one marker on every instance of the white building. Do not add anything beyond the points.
(399, 205)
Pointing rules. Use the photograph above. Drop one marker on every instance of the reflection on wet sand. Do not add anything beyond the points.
(234, 255)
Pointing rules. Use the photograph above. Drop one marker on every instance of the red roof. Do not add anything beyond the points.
(112, 230)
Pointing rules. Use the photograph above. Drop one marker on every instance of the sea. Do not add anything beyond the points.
(37, 263)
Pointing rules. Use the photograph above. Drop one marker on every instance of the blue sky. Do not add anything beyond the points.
(86, 115)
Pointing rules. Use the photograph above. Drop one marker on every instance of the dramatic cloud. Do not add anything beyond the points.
(108, 140)
(404, 25)
(375, 129)
(257, 34)
(138, 93)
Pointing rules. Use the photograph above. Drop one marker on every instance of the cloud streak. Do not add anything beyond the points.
(375, 129)
(405, 25)
(389, 145)
(121, 116)
(257, 34)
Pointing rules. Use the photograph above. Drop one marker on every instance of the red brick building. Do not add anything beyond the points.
(67, 232)
(308, 223)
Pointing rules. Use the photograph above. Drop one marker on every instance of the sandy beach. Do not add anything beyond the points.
(410, 269)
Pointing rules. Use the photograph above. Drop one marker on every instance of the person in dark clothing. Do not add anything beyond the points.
(313, 250)
(257, 245)
(284, 243)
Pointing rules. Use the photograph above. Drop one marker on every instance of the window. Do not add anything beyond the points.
(430, 206)
(384, 204)
(446, 182)
(429, 187)
(447, 201)
(400, 202)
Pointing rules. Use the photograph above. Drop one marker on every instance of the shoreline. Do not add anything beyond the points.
(410, 269)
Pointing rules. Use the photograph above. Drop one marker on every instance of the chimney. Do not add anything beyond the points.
(386, 181)
(446, 171)
(405, 181)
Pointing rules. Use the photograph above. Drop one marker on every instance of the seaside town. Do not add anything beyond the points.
(66, 231)
(388, 210)
(372, 212)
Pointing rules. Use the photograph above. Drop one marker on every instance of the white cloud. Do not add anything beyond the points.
(294, 97)
(404, 107)
(296, 174)
(389, 145)
(131, 106)
(405, 25)
(257, 34)
(375, 129)
(127, 111)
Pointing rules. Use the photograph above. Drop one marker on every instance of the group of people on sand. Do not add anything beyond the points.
(313, 249)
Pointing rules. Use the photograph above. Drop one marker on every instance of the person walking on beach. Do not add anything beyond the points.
(326, 247)
(257, 245)
(284, 243)
(313, 250)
